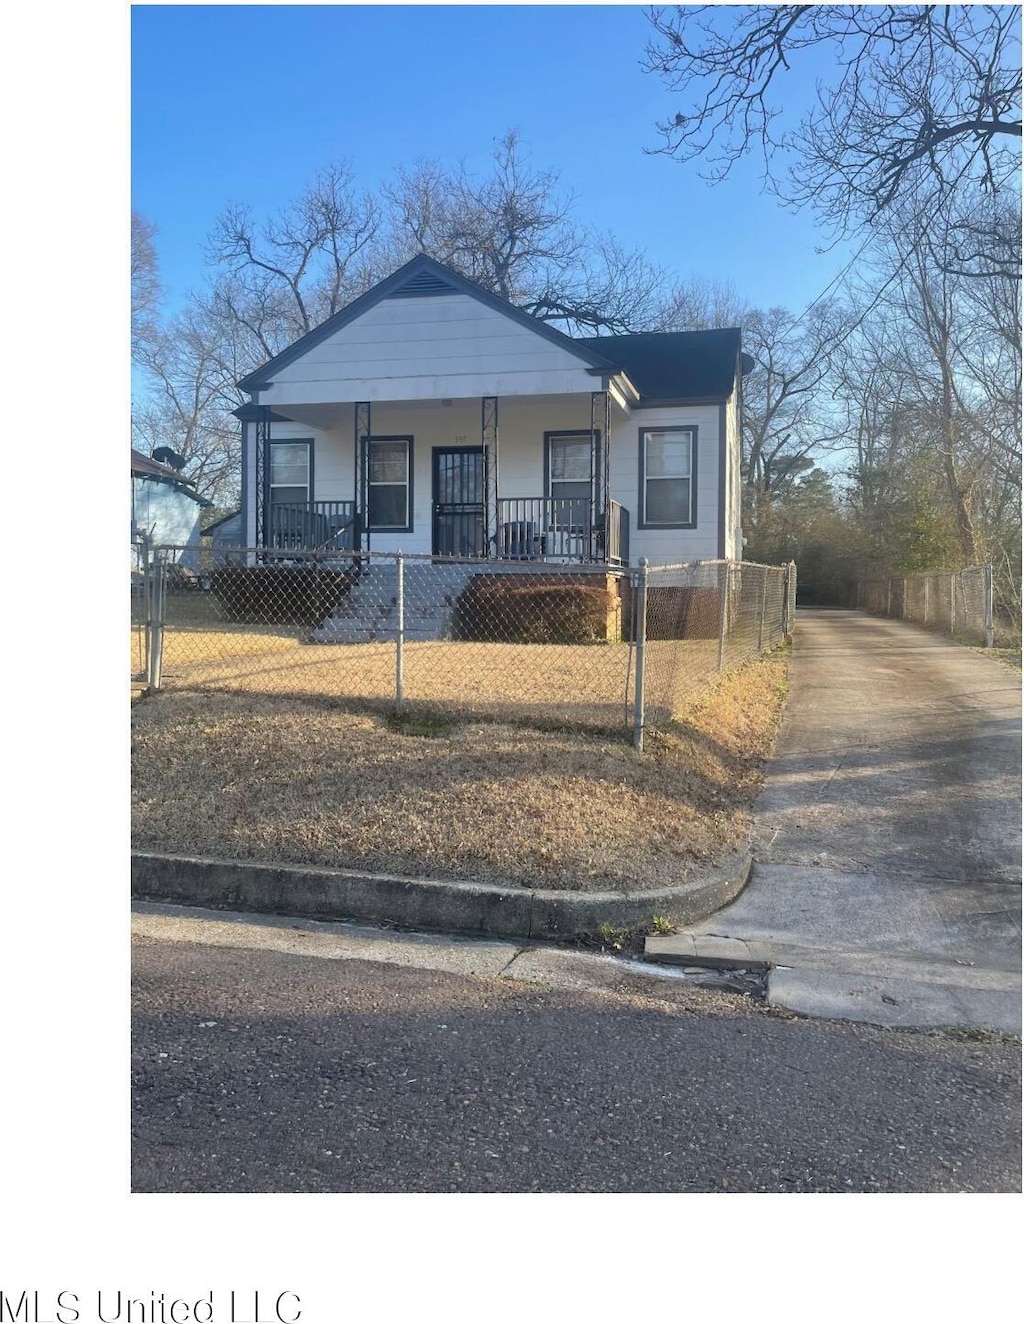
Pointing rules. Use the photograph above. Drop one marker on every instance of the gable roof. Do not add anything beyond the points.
(673, 366)
(421, 277)
(663, 366)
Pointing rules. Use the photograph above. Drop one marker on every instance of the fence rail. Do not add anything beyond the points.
(957, 603)
(589, 646)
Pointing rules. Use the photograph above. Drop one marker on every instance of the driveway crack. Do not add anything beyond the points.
(506, 968)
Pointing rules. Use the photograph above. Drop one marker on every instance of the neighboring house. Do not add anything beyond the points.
(431, 416)
(223, 535)
(165, 508)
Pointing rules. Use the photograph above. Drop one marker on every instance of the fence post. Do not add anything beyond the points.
(760, 623)
(927, 596)
(952, 605)
(641, 647)
(723, 609)
(399, 631)
(791, 589)
(903, 608)
(989, 612)
(157, 598)
(888, 595)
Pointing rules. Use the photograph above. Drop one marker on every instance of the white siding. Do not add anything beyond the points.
(733, 507)
(441, 347)
(669, 545)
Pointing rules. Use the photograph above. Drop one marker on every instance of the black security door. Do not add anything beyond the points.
(459, 502)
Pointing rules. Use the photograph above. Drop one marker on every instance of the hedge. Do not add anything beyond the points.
(504, 609)
(279, 594)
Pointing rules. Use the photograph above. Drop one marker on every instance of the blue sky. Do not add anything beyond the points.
(246, 103)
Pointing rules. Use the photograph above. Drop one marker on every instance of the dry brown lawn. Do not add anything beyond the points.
(307, 780)
(584, 685)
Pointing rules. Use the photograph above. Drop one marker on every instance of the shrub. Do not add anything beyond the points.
(516, 610)
(279, 594)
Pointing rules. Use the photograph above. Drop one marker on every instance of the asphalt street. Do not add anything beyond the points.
(260, 1070)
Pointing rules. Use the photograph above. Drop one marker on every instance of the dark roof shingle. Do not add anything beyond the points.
(674, 365)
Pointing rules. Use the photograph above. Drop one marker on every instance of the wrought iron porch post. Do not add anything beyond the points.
(600, 415)
(262, 461)
(362, 449)
(489, 442)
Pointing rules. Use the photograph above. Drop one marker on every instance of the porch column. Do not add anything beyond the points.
(362, 488)
(262, 460)
(489, 442)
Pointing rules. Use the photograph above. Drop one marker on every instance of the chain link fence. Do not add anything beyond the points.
(584, 646)
(957, 603)
(139, 610)
(705, 617)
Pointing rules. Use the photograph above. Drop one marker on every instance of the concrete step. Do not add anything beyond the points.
(369, 611)
(361, 628)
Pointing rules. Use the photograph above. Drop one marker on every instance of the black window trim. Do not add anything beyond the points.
(407, 527)
(642, 520)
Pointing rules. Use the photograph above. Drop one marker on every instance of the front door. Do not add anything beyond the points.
(459, 490)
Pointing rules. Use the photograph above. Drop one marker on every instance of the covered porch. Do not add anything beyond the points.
(517, 479)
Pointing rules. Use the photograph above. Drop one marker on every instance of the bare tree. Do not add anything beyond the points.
(192, 366)
(921, 93)
(788, 427)
(146, 289)
(512, 232)
(289, 274)
(931, 385)
(701, 304)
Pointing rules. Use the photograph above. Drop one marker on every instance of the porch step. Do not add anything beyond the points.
(370, 610)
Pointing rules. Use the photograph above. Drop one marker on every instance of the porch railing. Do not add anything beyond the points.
(535, 528)
(306, 526)
(617, 550)
(530, 528)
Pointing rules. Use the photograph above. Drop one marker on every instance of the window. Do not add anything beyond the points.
(569, 470)
(390, 483)
(667, 478)
(291, 463)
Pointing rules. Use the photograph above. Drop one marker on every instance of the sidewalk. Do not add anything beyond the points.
(886, 883)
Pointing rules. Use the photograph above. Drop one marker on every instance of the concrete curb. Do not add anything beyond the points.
(427, 903)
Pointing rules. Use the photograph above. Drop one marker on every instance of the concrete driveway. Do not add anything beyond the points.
(887, 876)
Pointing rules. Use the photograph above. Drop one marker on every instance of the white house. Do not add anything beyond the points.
(432, 416)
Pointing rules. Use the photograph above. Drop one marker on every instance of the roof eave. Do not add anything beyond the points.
(678, 401)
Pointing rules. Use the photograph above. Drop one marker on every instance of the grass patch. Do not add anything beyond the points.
(308, 781)
(1010, 657)
(431, 726)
